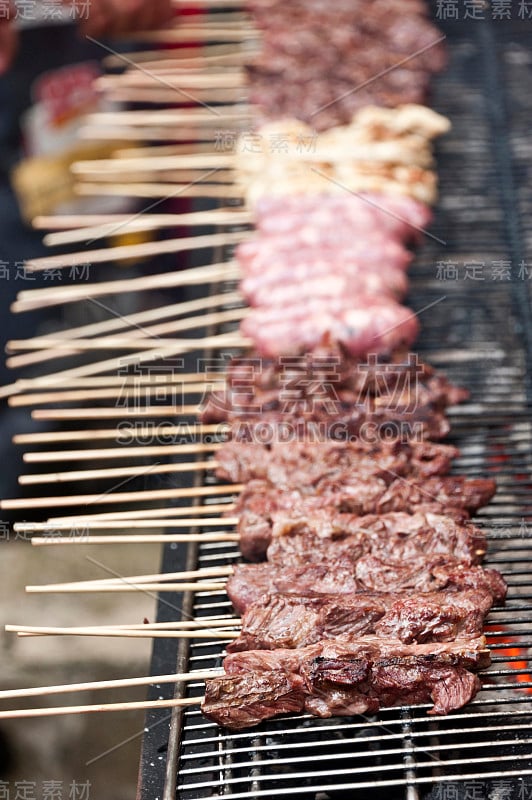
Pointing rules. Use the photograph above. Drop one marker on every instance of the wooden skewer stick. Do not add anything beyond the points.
(157, 95)
(123, 342)
(112, 524)
(42, 298)
(118, 166)
(50, 541)
(215, 318)
(206, 572)
(119, 497)
(197, 132)
(83, 222)
(129, 379)
(221, 341)
(149, 222)
(121, 683)
(155, 190)
(112, 412)
(119, 434)
(197, 34)
(152, 513)
(143, 250)
(201, 623)
(173, 118)
(139, 393)
(174, 75)
(199, 586)
(27, 713)
(212, 55)
(133, 151)
(140, 634)
(120, 452)
(119, 472)
(210, 3)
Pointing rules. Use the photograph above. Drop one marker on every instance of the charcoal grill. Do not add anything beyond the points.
(480, 333)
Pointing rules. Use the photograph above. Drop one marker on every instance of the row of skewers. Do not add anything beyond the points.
(372, 593)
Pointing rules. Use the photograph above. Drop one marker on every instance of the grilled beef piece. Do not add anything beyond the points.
(259, 502)
(292, 464)
(327, 385)
(332, 678)
(291, 620)
(332, 365)
(250, 582)
(355, 44)
(346, 423)
(343, 539)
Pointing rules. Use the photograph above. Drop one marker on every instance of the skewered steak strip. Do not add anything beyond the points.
(292, 464)
(364, 325)
(293, 540)
(331, 678)
(260, 501)
(332, 366)
(292, 620)
(343, 539)
(330, 385)
(250, 582)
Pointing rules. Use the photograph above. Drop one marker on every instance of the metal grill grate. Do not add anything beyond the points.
(479, 333)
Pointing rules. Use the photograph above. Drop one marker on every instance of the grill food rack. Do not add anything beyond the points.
(479, 332)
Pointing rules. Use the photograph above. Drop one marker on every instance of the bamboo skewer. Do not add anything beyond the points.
(163, 538)
(199, 586)
(197, 132)
(213, 56)
(42, 298)
(129, 379)
(108, 474)
(137, 392)
(142, 250)
(26, 713)
(112, 412)
(130, 342)
(198, 33)
(202, 623)
(64, 223)
(128, 322)
(159, 95)
(111, 524)
(174, 74)
(209, 572)
(121, 683)
(118, 166)
(50, 541)
(169, 117)
(140, 634)
(144, 451)
(154, 513)
(118, 434)
(145, 356)
(108, 227)
(225, 191)
(134, 151)
(210, 3)
(119, 497)
(126, 380)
